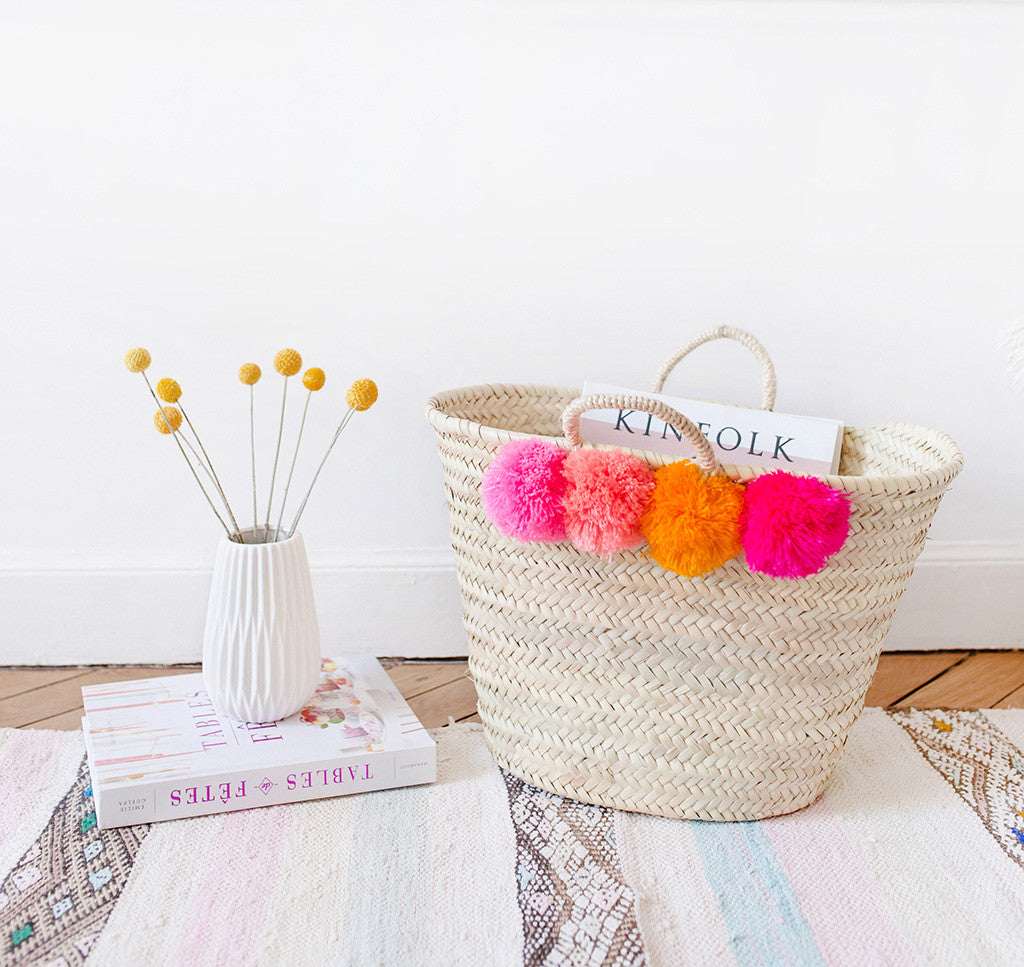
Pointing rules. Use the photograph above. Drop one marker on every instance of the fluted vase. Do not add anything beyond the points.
(261, 646)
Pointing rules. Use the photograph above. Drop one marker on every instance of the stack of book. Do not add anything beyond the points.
(158, 750)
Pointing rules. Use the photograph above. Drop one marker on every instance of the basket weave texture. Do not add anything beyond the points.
(726, 697)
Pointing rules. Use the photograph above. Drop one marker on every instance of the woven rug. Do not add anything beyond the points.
(914, 855)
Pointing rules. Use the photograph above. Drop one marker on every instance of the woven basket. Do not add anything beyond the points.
(726, 697)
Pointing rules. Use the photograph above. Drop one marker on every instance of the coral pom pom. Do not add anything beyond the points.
(168, 390)
(362, 394)
(605, 494)
(314, 379)
(249, 373)
(792, 524)
(137, 360)
(287, 362)
(522, 491)
(692, 522)
(170, 415)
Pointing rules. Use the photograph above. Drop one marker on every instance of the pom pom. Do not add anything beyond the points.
(168, 390)
(605, 494)
(314, 379)
(692, 522)
(792, 524)
(362, 394)
(170, 415)
(249, 373)
(137, 360)
(522, 491)
(287, 362)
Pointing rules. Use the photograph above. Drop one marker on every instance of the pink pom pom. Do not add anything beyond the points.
(792, 524)
(605, 494)
(522, 491)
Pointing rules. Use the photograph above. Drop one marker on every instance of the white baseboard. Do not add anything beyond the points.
(406, 602)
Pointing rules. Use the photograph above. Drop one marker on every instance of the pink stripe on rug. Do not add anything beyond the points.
(238, 882)
(28, 765)
(838, 897)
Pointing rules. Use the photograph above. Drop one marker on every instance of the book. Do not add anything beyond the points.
(158, 750)
(761, 438)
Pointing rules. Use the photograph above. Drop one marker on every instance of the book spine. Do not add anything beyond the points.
(268, 785)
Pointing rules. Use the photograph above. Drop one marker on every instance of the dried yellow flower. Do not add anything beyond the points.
(137, 360)
(287, 362)
(362, 394)
(314, 379)
(249, 373)
(170, 415)
(168, 390)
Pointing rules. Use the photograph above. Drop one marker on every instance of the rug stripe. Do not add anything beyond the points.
(432, 868)
(304, 915)
(151, 917)
(677, 911)
(576, 905)
(36, 768)
(984, 767)
(760, 906)
(57, 900)
(837, 896)
(950, 890)
(246, 862)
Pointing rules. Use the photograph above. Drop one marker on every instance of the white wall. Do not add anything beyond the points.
(441, 192)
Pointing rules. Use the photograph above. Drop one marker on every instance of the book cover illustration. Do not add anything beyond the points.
(158, 749)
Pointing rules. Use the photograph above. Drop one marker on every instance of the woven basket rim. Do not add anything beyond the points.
(950, 458)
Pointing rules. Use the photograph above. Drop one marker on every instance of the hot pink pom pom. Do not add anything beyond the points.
(522, 491)
(605, 494)
(792, 524)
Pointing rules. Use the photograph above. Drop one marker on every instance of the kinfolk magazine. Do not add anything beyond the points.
(158, 750)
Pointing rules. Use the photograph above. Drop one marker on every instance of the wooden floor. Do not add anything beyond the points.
(51, 698)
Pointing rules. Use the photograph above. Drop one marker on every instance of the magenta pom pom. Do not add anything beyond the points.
(605, 494)
(522, 491)
(792, 524)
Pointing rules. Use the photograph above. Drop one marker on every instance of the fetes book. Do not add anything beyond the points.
(157, 749)
(763, 438)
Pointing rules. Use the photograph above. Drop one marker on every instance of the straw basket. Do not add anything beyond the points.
(726, 697)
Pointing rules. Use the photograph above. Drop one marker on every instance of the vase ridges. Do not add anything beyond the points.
(261, 647)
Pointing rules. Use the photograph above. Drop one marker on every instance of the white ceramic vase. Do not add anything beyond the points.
(261, 647)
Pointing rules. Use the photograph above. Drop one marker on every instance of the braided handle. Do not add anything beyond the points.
(706, 459)
(738, 335)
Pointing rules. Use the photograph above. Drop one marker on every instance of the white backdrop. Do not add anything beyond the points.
(442, 192)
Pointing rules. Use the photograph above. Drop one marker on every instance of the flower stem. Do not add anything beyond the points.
(174, 433)
(277, 454)
(337, 433)
(213, 473)
(252, 446)
(295, 456)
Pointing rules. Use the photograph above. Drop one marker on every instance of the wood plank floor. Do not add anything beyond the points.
(51, 698)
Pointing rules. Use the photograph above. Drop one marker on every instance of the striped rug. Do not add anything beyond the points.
(914, 855)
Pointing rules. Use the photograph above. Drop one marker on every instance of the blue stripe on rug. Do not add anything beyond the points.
(760, 907)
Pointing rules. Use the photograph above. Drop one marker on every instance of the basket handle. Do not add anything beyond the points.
(740, 336)
(705, 458)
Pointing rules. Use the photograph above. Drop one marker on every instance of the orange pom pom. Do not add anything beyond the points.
(692, 522)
